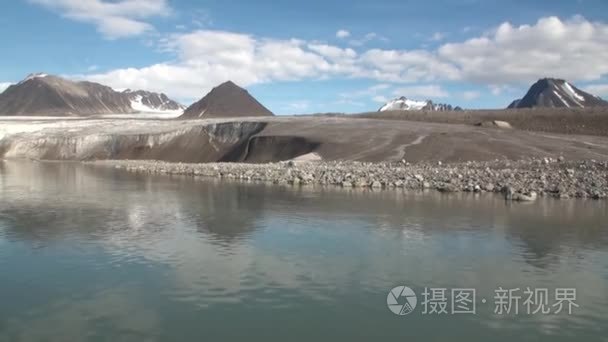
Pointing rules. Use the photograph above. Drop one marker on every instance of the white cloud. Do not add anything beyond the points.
(368, 38)
(437, 36)
(509, 56)
(374, 93)
(470, 95)
(406, 66)
(4, 85)
(574, 49)
(333, 52)
(499, 89)
(298, 106)
(380, 99)
(113, 19)
(600, 90)
(201, 18)
(378, 92)
(342, 34)
(207, 58)
(424, 91)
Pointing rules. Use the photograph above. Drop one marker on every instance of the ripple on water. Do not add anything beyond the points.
(157, 256)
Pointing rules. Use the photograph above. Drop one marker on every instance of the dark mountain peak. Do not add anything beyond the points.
(229, 87)
(226, 100)
(554, 93)
(228, 84)
(550, 80)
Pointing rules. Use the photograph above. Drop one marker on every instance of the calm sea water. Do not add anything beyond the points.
(102, 255)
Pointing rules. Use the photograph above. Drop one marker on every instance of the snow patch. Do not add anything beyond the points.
(561, 98)
(404, 104)
(309, 157)
(572, 92)
(33, 76)
(137, 105)
(4, 86)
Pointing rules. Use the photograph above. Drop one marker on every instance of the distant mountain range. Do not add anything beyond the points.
(406, 104)
(43, 94)
(226, 100)
(557, 93)
(48, 95)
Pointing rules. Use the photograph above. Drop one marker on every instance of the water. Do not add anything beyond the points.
(103, 255)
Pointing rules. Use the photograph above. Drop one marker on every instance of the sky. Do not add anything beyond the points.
(313, 56)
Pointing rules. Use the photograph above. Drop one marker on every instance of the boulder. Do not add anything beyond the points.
(495, 124)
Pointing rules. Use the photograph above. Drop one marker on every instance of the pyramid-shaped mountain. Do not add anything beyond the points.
(555, 93)
(226, 100)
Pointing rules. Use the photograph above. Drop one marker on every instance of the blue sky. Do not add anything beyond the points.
(313, 56)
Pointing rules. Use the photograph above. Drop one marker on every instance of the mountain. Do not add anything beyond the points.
(555, 93)
(149, 102)
(406, 104)
(514, 104)
(226, 100)
(43, 94)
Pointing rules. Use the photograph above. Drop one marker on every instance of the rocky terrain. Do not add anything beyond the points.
(226, 100)
(557, 93)
(405, 104)
(584, 121)
(48, 95)
(272, 139)
(392, 154)
(522, 180)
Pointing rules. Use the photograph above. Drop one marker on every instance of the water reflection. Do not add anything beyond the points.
(83, 239)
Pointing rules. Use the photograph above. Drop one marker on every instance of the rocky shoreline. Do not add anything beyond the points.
(518, 180)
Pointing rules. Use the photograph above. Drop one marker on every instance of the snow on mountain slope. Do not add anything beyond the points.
(48, 95)
(149, 102)
(33, 76)
(404, 103)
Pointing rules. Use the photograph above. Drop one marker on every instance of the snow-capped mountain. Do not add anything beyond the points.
(43, 94)
(149, 102)
(406, 104)
(33, 76)
(552, 92)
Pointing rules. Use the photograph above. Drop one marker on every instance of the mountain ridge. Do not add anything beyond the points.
(405, 104)
(44, 94)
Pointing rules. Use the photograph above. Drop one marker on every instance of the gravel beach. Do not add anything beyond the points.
(518, 180)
